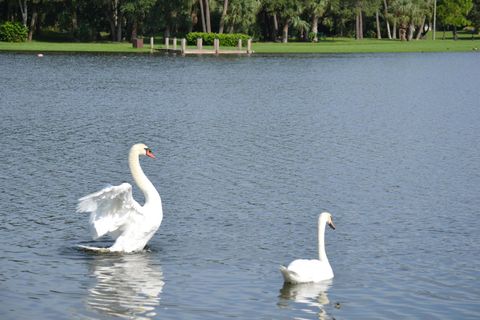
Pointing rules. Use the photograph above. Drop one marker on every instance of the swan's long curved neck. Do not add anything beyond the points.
(322, 255)
(149, 191)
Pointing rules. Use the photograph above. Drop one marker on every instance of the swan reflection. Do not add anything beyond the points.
(127, 286)
(309, 297)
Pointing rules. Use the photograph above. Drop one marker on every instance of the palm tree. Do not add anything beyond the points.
(317, 9)
(401, 12)
(222, 18)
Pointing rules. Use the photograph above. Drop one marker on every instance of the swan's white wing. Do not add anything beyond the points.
(305, 270)
(111, 208)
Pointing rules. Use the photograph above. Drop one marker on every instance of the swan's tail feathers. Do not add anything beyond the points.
(93, 249)
(289, 276)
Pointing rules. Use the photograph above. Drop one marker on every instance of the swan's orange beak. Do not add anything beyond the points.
(149, 153)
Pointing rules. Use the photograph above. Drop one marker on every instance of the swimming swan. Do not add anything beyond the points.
(114, 212)
(303, 270)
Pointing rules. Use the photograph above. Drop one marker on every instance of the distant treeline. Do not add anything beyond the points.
(264, 20)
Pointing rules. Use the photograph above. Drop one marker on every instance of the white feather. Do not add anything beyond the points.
(305, 270)
(114, 212)
(111, 208)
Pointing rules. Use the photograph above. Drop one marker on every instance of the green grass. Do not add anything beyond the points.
(346, 45)
(96, 47)
(329, 45)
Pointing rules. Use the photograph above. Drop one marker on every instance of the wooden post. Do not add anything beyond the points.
(199, 43)
(174, 43)
(249, 46)
(216, 45)
(240, 44)
(166, 42)
(151, 43)
(183, 43)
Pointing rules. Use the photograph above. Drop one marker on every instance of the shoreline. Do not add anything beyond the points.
(335, 46)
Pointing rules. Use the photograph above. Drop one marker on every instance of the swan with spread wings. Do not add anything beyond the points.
(114, 212)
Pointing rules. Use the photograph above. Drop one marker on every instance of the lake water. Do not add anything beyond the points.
(249, 151)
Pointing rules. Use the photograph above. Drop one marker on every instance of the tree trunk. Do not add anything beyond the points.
(119, 26)
(114, 18)
(411, 29)
(133, 35)
(222, 18)
(275, 27)
(202, 15)
(166, 33)
(379, 34)
(207, 16)
(420, 30)
(285, 32)
(455, 36)
(194, 20)
(315, 27)
(24, 11)
(357, 27)
(402, 32)
(434, 19)
(386, 19)
(33, 21)
(74, 29)
(394, 35)
(361, 25)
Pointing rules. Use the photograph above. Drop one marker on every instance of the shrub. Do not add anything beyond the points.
(13, 32)
(226, 39)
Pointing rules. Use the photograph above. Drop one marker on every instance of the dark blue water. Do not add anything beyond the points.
(249, 152)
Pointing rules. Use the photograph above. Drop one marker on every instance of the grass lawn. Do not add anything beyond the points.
(329, 45)
(346, 45)
(98, 47)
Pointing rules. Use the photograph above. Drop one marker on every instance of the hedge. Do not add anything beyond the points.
(13, 32)
(226, 39)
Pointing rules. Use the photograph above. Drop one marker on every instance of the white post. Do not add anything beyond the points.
(184, 45)
(216, 45)
(199, 43)
(151, 43)
(174, 43)
(239, 44)
(249, 46)
(166, 43)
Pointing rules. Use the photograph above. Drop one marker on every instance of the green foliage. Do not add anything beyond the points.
(454, 12)
(13, 32)
(226, 39)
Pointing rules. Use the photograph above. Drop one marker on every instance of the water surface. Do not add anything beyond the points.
(249, 152)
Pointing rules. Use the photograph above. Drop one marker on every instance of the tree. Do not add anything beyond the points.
(316, 9)
(207, 16)
(454, 13)
(287, 10)
(242, 15)
(474, 15)
(386, 16)
(401, 13)
(136, 11)
(23, 4)
(222, 18)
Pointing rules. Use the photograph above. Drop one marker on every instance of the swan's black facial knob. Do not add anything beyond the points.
(149, 153)
(330, 223)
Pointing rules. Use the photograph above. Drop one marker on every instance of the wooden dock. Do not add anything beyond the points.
(173, 48)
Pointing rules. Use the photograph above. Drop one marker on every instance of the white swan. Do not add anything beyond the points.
(114, 212)
(302, 270)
